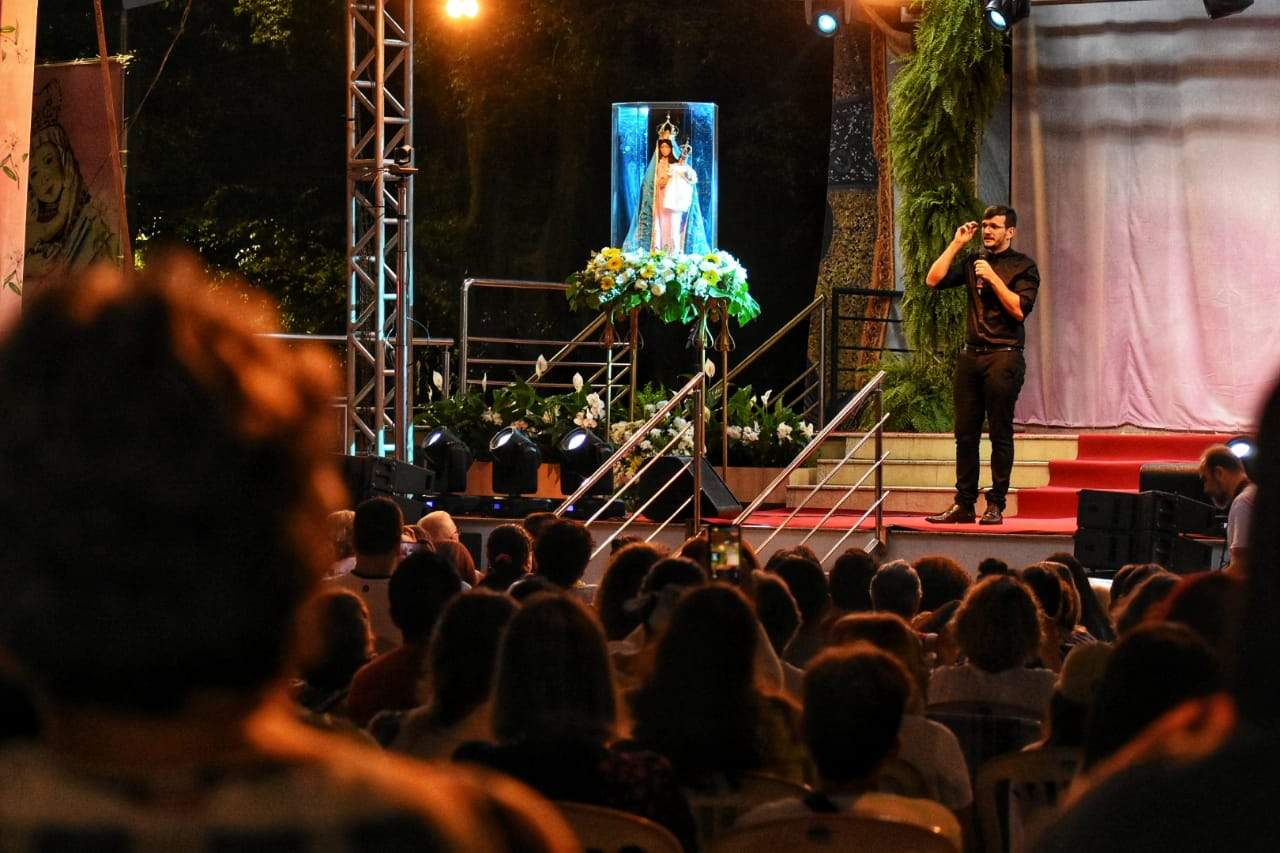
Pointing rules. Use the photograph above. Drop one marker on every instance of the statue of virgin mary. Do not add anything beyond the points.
(668, 216)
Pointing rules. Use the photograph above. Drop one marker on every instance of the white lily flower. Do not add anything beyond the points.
(710, 369)
(437, 380)
(784, 432)
(577, 381)
(540, 366)
(764, 398)
(484, 383)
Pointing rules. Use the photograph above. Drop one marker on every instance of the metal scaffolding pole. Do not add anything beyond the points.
(380, 227)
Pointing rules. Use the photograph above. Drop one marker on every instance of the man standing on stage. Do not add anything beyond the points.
(1002, 286)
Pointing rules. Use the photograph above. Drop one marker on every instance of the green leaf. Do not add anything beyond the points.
(8, 170)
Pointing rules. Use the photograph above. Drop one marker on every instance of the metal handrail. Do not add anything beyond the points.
(873, 390)
(695, 387)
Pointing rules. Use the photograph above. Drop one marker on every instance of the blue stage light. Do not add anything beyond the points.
(827, 23)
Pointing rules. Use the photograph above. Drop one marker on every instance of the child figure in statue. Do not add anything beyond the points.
(674, 180)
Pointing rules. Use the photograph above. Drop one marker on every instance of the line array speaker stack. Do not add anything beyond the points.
(375, 476)
(1116, 528)
(717, 500)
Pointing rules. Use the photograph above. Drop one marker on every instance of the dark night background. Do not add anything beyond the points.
(238, 151)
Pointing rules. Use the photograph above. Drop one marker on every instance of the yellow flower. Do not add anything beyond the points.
(712, 258)
(647, 271)
(615, 263)
(606, 283)
(711, 276)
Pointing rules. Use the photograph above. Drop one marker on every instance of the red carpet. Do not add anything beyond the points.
(898, 521)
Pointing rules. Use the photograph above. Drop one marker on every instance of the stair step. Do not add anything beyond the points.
(1027, 447)
(917, 472)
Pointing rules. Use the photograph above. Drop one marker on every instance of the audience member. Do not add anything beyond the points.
(438, 527)
(992, 566)
(779, 615)
(854, 700)
(928, 746)
(701, 707)
(419, 590)
(376, 536)
(531, 585)
(555, 720)
(1073, 696)
(998, 631)
(667, 580)
(1200, 778)
(1143, 598)
(619, 542)
(1209, 604)
(941, 580)
(157, 630)
(1227, 484)
(850, 582)
(336, 622)
(1153, 669)
(620, 584)
(808, 585)
(561, 554)
(1126, 579)
(535, 522)
(1051, 584)
(461, 660)
(509, 549)
(340, 525)
(1092, 614)
(895, 588)
(460, 560)
(802, 551)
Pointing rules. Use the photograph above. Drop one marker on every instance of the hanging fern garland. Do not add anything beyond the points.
(939, 103)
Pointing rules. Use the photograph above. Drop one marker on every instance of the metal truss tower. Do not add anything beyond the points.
(379, 402)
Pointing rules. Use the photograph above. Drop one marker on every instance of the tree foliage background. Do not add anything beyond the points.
(238, 149)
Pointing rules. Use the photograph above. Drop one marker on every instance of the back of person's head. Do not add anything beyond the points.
(695, 548)
(464, 653)
(535, 522)
(377, 526)
(439, 527)
(998, 624)
(1127, 578)
(802, 551)
(890, 633)
(850, 580)
(808, 585)
(673, 571)
(941, 580)
(854, 699)
(1209, 604)
(1055, 594)
(508, 550)
(459, 559)
(553, 676)
(777, 611)
(418, 591)
(895, 587)
(340, 524)
(1153, 669)
(562, 551)
(699, 706)
(620, 584)
(1253, 678)
(341, 638)
(992, 566)
(1093, 615)
(1074, 693)
(1143, 599)
(211, 482)
(620, 542)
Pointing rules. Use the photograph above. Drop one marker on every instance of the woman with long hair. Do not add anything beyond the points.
(555, 719)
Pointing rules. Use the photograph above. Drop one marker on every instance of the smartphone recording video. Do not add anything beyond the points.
(724, 543)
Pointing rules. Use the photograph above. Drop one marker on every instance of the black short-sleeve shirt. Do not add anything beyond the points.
(988, 323)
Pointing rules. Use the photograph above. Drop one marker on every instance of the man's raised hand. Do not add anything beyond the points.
(965, 232)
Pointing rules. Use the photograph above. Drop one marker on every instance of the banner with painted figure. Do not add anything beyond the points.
(17, 66)
(72, 213)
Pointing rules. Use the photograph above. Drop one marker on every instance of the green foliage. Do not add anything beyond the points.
(917, 395)
(939, 103)
(269, 19)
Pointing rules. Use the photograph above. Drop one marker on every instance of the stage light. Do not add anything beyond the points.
(1001, 15)
(402, 155)
(449, 457)
(516, 458)
(582, 453)
(462, 8)
(1245, 447)
(1221, 8)
(825, 16)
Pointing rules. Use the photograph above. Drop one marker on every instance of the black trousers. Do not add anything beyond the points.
(986, 385)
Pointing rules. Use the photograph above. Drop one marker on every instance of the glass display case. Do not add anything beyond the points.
(665, 176)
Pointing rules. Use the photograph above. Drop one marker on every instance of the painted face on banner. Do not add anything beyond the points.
(46, 173)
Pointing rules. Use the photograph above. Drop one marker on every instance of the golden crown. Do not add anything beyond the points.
(667, 130)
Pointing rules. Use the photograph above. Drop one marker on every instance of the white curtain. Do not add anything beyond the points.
(1146, 175)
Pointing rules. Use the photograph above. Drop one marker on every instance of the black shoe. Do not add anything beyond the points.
(993, 515)
(957, 514)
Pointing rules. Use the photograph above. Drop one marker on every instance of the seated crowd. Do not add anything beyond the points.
(214, 655)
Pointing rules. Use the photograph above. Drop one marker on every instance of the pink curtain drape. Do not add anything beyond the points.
(1146, 175)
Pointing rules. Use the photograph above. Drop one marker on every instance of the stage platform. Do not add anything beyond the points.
(1041, 517)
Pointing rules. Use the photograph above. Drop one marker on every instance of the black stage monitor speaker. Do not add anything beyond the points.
(717, 500)
(1100, 510)
(1179, 478)
(375, 476)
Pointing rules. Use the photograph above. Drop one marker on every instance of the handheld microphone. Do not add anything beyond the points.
(983, 255)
